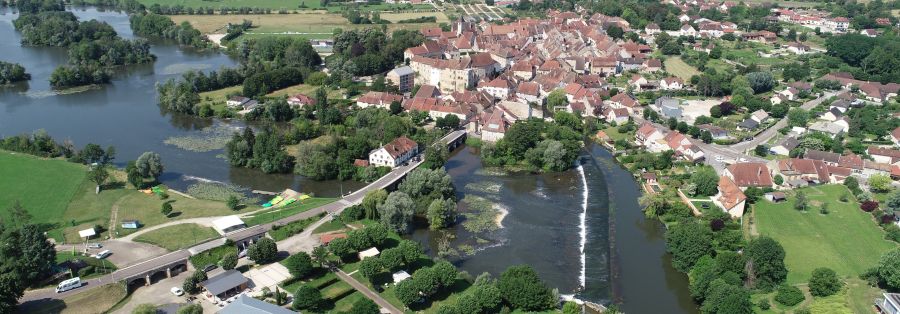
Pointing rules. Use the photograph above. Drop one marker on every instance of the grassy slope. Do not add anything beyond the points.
(178, 237)
(93, 301)
(44, 187)
(677, 67)
(146, 209)
(846, 240)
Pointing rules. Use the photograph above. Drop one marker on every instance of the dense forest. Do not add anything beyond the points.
(160, 26)
(367, 52)
(12, 72)
(538, 145)
(93, 46)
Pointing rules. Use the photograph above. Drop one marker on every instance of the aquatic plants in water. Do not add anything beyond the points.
(480, 214)
(209, 139)
(219, 192)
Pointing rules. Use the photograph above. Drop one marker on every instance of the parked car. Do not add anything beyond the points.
(177, 291)
(210, 267)
(719, 158)
(95, 245)
(242, 254)
(743, 159)
(103, 254)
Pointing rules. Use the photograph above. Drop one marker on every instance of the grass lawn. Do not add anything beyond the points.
(303, 23)
(94, 301)
(846, 240)
(333, 225)
(178, 237)
(43, 187)
(615, 135)
(343, 305)
(679, 68)
(273, 214)
(146, 209)
(212, 256)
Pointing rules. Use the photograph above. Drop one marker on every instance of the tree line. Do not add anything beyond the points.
(367, 52)
(160, 26)
(537, 144)
(12, 72)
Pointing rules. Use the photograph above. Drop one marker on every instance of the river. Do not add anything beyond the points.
(558, 223)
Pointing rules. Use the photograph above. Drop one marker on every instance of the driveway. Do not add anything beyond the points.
(304, 241)
(124, 253)
(267, 276)
(157, 293)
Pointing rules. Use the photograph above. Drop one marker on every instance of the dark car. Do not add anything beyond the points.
(210, 267)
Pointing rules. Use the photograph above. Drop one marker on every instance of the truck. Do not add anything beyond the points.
(69, 284)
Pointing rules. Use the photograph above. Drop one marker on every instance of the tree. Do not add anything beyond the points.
(761, 150)
(372, 200)
(263, 251)
(557, 98)
(449, 122)
(191, 309)
(397, 211)
(134, 175)
(441, 213)
(892, 204)
(615, 32)
(766, 259)
(889, 268)
(166, 209)
(299, 265)
(307, 298)
(879, 183)
(798, 117)
(98, 175)
(191, 283)
(824, 282)
(229, 261)
(396, 107)
(727, 298)
(778, 179)
(407, 292)
(436, 155)
(706, 180)
(522, 289)
(789, 295)
(233, 202)
(801, 203)
(688, 242)
(340, 247)
(150, 165)
(145, 308)
(364, 306)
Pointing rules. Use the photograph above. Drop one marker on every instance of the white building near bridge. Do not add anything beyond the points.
(394, 153)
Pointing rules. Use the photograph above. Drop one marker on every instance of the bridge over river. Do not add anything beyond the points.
(164, 265)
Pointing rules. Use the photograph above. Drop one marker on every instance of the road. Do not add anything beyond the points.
(167, 259)
(766, 135)
(367, 292)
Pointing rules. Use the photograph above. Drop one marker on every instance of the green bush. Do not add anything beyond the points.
(789, 295)
(824, 282)
(764, 304)
(85, 271)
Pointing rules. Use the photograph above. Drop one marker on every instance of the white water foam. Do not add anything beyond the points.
(205, 180)
(583, 225)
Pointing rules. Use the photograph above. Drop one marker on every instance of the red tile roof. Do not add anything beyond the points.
(751, 174)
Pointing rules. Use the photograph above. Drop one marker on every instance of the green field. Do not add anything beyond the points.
(43, 187)
(146, 209)
(846, 239)
(267, 4)
(178, 237)
(677, 67)
(273, 214)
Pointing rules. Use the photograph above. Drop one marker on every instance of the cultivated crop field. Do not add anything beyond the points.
(677, 67)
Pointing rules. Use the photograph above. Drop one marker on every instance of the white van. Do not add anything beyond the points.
(68, 284)
(103, 254)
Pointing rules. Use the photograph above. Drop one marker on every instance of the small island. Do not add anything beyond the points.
(12, 73)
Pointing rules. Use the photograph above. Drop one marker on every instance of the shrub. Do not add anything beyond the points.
(892, 232)
(789, 295)
(87, 270)
(887, 219)
(716, 224)
(229, 261)
(764, 304)
(824, 282)
(868, 206)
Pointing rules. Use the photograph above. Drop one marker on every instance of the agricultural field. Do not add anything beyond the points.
(310, 25)
(846, 239)
(43, 187)
(178, 237)
(677, 67)
(396, 17)
(267, 4)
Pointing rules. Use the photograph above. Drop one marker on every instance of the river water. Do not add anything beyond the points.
(558, 223)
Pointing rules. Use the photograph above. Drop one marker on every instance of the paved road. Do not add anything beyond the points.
(368, 292)
(167, 259)
(766, 135)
